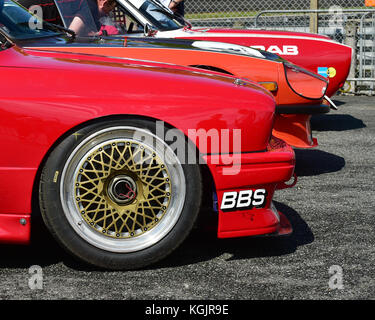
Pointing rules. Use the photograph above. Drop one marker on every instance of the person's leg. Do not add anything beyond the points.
(77, 25)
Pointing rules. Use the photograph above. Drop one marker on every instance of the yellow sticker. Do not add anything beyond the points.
(55, 177)
(332, 72)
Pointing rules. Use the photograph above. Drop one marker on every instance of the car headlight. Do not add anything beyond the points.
(307, 84)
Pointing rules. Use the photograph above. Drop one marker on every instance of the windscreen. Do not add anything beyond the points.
(305, 83)
(160, 16)
(17, 23)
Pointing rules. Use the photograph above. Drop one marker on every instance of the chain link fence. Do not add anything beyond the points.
(346, 21)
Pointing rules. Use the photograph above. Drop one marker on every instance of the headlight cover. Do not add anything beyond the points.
(306, 84)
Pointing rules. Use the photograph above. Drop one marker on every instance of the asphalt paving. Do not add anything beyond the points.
(329, 256)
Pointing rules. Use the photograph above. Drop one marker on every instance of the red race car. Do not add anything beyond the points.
(299, 93)
(333, 60)
(116, 155)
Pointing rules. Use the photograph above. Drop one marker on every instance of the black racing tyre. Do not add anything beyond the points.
(117, 196)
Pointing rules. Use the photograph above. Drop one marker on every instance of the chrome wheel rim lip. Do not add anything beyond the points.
(149, 238)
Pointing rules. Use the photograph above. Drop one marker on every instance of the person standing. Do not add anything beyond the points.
(87, 16)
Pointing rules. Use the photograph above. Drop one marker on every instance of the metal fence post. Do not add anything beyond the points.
(351, 40)
(314, 5)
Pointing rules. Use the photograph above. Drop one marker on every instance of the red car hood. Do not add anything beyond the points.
(31, 60)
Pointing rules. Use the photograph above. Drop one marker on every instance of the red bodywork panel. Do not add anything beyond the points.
(261, 170)
(15, 228)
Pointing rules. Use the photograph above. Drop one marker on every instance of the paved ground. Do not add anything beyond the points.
(331, 209)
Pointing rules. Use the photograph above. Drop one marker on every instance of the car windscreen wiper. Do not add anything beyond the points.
(56, 27)
(182, 20)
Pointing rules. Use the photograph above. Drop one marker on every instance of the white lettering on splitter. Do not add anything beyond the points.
(244, 199)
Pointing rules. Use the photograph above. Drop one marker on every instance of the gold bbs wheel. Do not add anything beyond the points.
(122, 189)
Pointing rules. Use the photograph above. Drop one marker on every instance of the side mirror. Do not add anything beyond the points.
(148, 31)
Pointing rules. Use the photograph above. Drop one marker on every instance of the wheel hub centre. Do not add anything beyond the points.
(122, 189)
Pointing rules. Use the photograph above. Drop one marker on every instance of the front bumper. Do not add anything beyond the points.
(303, 109)
(292, 124)
(251, 172)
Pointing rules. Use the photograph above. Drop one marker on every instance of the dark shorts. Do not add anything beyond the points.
(181, 8)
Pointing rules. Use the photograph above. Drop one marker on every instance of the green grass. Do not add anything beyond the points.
(211, 15)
